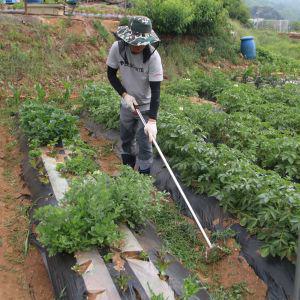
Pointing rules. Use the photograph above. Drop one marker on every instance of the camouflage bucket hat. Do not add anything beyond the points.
(139, 32)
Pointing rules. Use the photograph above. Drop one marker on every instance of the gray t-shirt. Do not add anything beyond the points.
(136, 75)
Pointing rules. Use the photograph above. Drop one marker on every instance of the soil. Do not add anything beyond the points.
(198, 100)
(110, 25)
(107, 159)
(234, 269)
(21, 277)
(230, 270)
(78, 25)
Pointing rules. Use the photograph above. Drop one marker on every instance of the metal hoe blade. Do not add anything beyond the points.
(177, 184)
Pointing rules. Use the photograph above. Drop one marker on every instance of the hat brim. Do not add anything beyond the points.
(136, 39)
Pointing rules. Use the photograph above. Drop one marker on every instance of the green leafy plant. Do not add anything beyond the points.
(209, 17)
(133, 192)
(144, 256)
(78, 165)
(101, 101)
(122, 281)
(108, 257)
(190, 287)
(168, 16)
(41, 93)
(209, 86)
(153, 295)
(237, 291)
(223, 235)
(91, 209)
(103, 33)
(162, 264)
(86, 218)
(184, 86)
(45, 123)
(266, 204)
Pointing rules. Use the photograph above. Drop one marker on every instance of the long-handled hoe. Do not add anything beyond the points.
(212, 250)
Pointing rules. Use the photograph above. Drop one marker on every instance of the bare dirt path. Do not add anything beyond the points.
(21, 276)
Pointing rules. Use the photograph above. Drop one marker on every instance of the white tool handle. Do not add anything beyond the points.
(177, 184)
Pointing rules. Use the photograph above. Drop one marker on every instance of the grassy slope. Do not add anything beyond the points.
(52, 55)
(278, 43)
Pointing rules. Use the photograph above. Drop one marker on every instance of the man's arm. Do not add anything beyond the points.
(155, 99)
(115, 81)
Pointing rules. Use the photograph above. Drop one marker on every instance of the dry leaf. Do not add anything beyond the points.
(118, 262)
(92, 295)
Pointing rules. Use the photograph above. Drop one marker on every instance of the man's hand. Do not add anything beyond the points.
(130, 101)
(151, 129)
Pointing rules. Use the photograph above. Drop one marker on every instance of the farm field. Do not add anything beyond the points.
(229, 127)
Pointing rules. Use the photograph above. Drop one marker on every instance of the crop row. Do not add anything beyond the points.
(277, 105)
(96, 203)
(246, 98)
(262, 144)
(266, 204)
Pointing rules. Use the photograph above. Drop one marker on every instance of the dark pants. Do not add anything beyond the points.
(132, 133)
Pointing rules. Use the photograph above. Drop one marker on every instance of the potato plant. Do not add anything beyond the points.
(264, 201)
(102, 103)
(44, 123)
(265, 146)
(248, 99)
(268, 205)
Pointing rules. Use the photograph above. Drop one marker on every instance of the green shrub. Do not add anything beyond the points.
(246, 98)
(184, 17)
(295, 26)
(220, 45)
(239, 97)
(237, 10)
(44, 123)
(209, 16)
(168, 16)
(276, 63)
(258, 141)
(261, 199)
(266, 204)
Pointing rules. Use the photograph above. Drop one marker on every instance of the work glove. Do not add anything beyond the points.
(151, 130)
(130, 101)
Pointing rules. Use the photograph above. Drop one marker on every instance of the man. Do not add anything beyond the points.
(139, 64)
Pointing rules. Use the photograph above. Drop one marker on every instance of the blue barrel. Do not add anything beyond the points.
(35, 1)
(71, 2)
(248, 48)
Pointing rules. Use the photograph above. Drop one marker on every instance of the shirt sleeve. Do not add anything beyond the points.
(155, 68)
(155, 99)
(112, 60)
(115, 81)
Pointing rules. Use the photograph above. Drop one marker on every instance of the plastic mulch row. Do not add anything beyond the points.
(276, 273)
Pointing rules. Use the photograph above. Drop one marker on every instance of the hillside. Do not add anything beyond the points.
(59, 63)
(289, 9)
